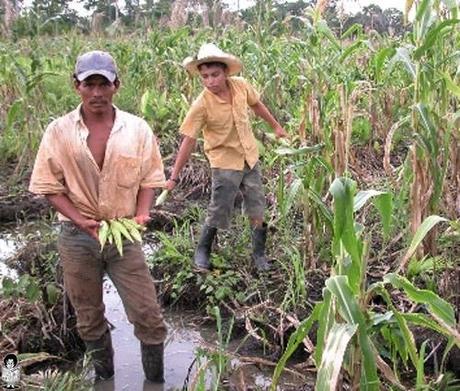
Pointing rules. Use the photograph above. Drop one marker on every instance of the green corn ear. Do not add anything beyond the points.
(114, 227)
(131, 223)
(103, 233)
(162, 197)
(133, 228)
(123, 230)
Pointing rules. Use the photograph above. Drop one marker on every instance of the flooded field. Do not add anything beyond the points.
(186, 335)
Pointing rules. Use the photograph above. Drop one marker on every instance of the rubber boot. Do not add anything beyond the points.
(152, 362)
(259, 237)
(203, 250)
(101, 353)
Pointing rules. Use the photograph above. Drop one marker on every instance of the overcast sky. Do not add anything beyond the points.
(351, 6)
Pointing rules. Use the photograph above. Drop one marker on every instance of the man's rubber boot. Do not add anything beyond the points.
(101, 352)
(152, 362)
(259, 237)
(203, 250)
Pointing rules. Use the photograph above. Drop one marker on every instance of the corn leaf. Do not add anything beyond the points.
(409, 340)
(438, 307)
(433, 35)
(363, 196)
(294, 341)
(350, 311)
(337, 341)
(327, 318)
(402, 55)
(424, 321)
(422, 231)
(343, 190)
(384, 204)
(294, 189)
(380, 59)
(452, 87)
(420, 382)
(407, 8)
(13, 113)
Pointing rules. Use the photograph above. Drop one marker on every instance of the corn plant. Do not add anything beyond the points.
(431, 67)
(347, 333)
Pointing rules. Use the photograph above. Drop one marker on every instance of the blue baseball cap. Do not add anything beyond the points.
(96, 62)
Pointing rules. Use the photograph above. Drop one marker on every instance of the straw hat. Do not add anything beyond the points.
(211, 53)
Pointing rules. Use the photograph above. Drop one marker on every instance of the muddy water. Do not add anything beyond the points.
(182, 341)
(8, 247)
(184, 338)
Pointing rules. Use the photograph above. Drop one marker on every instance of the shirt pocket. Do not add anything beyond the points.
(128, 169)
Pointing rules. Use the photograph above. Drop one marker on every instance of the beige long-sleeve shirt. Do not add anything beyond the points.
(228, 138)
(65, 165)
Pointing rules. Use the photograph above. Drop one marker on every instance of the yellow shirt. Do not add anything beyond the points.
(228, 138)
(65, 165)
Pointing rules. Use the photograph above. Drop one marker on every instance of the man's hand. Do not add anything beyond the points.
(142, 219)
(90, 226)
(280, 132)
(170, 184)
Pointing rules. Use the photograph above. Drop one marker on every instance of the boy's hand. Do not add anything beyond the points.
(170, 184)
(280, 132)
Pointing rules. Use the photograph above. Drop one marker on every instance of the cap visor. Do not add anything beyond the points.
(110, 76)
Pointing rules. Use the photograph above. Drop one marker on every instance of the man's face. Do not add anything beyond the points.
(10, 363)
(96, 93)
(214, 78)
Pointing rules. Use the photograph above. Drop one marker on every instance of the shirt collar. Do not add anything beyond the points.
(119, 122)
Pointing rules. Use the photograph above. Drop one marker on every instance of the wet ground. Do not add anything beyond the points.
(182, 341)
(184, 338)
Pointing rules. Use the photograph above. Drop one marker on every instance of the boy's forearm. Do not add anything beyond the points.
(262, 111)
(186, 148)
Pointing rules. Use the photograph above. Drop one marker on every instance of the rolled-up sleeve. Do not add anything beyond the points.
(47, 175)
(252, 95)
(152, 170)
(195, 119)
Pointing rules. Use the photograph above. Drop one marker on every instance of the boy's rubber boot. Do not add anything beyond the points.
(203, 250)
(101, 352)
(152, 362)
(259, 238)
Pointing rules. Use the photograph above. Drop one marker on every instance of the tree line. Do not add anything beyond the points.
(56, 16)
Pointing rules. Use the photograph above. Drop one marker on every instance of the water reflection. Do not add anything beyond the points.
(109, 385)
(182, 341)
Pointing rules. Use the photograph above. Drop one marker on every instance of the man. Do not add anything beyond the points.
(99, 163)
(221, 113)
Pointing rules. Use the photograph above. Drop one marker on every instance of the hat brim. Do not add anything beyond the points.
(234, 65)
(110, 76)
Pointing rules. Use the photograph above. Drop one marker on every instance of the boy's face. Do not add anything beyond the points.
(214, 78)
(10, 363)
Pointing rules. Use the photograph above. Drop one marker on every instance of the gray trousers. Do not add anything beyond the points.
(225, 186)
(84, 266)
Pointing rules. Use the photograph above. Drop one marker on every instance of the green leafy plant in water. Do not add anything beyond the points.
(216, 361)
(26, 286)
(218, 287)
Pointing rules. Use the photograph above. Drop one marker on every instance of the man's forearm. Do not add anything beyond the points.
(63, 205)
(144, 201)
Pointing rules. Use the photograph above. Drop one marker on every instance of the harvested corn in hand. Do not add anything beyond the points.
(115, 230)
